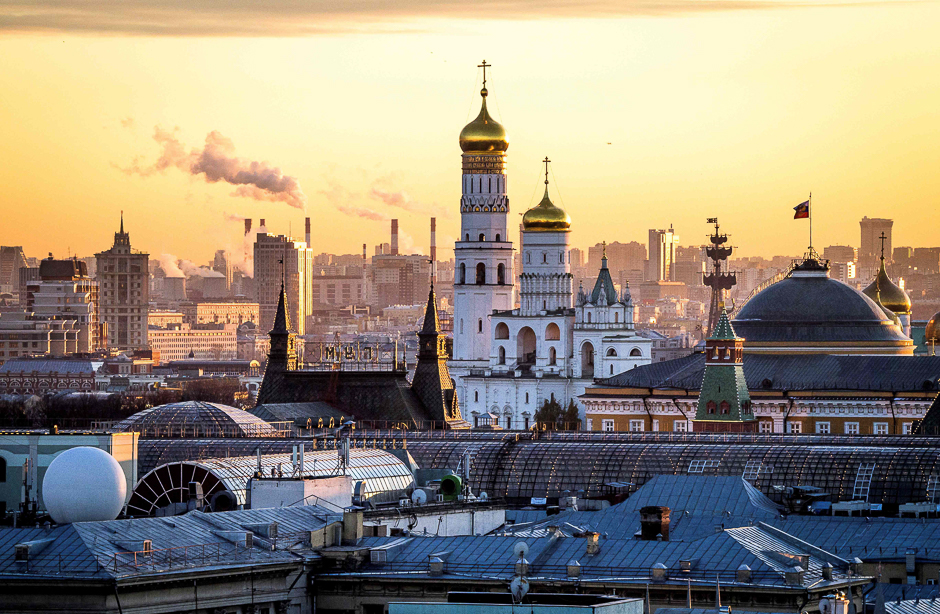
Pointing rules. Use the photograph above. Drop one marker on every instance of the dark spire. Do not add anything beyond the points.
(281, 318)
(122, 221)
(432, 324)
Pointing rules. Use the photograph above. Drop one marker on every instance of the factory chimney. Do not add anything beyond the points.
(307, 231)
(262, 223)
(394, 237)
(247, 226)
(433, 249)
(363, 253)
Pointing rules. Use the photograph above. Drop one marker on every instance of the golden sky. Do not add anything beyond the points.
(653, 113)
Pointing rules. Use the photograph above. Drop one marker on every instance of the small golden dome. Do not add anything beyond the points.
(932, 331)
(892, 297)
(484, 134)
(546, 217)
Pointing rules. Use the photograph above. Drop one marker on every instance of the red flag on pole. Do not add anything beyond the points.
(802, 210)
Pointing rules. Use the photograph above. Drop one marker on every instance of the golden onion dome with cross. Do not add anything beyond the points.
(484, 134)
(545, 216)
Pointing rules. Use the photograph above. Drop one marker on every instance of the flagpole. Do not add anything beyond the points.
(811, 224)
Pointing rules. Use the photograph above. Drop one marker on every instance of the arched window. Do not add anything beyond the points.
(636, 352)
(527, 397)
(482, 237)
(552, 332)
(552, 356)
(528, 258)
(589, 317)
(502, 355)
(497, 237)
(612, 352)
(725, 407)
(544, 257)
(500, 273)
(710, 407)
(481, 274)
(463, 273)
(468, 236)
(587, 359)
(525, 346)
(476, 396)
(616, 318)
(480, 325)
(502, 331)
(611, 369)
(561, 258)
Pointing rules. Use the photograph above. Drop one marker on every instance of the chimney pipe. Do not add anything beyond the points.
(433, 249)
(394, 237)
(247, 226)
(307, 231)
(363, 252)
(262, 223)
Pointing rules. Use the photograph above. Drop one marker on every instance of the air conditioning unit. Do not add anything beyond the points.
(378, 557)
(404, 502)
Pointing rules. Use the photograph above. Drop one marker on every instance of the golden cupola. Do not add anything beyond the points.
(545, 216)
(892, 297)
(484, 134)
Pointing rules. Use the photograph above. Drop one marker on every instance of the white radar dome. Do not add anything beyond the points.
(84, 484)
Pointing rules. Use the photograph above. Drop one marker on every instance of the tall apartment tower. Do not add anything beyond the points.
(662, 255)
(221, 264)
(124, 292)
(869, 252)
(279, 258)
(483, 253)
(64, 291)
(12, 259)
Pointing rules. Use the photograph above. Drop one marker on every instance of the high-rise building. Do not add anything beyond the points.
(65, 291)
(124, 286)
(12, 259)
(662, 255)
(221, 264)
(280, 259)
(841, 253)
(869, 251)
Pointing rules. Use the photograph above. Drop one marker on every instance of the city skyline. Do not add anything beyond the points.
(698, 125)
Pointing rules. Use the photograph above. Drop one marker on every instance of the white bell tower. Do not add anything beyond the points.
(483, 279)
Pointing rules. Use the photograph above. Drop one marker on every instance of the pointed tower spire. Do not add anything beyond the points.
(281, 317)
(432, 324)
(122, 230)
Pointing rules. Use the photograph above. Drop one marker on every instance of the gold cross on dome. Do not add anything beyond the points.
(484, 66)
(546, 161)
(883, 238)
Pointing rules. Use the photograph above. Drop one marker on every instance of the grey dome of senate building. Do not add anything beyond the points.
(196, 419)
(809, 312)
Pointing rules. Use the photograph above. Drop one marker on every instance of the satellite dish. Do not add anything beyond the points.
(520, 549)
(825, 606)
(419, 497)
(483, 496)
(518, 587)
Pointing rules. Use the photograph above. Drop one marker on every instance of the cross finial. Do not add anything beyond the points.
(546, 161)
(604, 243)
(484, 66)
(883, 238)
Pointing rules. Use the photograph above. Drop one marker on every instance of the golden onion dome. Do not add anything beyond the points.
(484, 134)
(546, 217)
(892, 297)
(932, 330)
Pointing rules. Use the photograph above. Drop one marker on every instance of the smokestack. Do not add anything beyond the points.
(262, 223)
(307, 231)
(433, 249)
(363, 253)
(394, 237)
(247, 226)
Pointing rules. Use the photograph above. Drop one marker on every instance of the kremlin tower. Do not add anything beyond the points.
(483, 254)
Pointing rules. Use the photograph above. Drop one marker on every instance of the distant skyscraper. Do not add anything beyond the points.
(662, 254)
(124, 292)
(221, 264)
(869, 251)
(12, 259)
(841, 253)
(64, 291)
(280, 258)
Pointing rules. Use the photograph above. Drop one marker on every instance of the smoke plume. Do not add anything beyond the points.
(363, 212)
(402, 200)
(216, 161)
(169, 266)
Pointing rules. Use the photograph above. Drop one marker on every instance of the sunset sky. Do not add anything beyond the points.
(653, 113)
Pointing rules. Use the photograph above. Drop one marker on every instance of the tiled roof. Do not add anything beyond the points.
(795, 372)
(47, 365)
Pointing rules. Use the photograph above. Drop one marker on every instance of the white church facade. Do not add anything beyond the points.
(507, 361)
